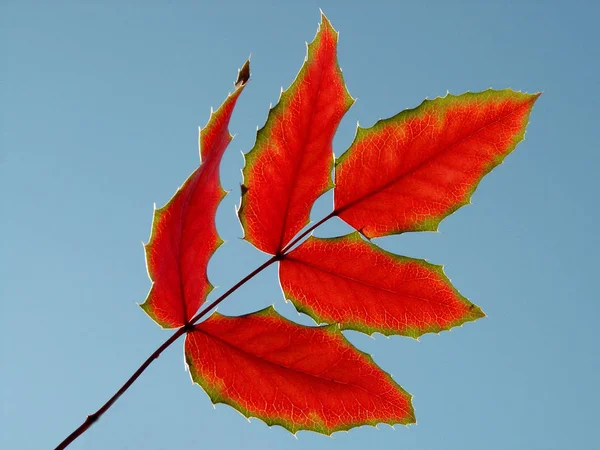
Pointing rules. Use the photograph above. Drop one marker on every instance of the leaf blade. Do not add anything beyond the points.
(423, 164)
(361, 287)
(184, 235)
(286, 382)
(290, 165)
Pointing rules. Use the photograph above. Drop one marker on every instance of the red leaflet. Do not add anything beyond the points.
(301, 378)
(291, 162)
(364, 288)
(183, 236)
(408, 172)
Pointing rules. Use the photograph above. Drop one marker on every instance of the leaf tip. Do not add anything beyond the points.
(476, 312)
(324, 19)
(243, 74)
(326, 23)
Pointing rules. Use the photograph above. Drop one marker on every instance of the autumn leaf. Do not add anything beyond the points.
(408, 172)
(298, 377)
(184, 236)
(361, 287)
(405, 173)
(291, 163)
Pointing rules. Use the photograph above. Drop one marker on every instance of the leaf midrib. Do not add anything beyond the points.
(299, 163)
(330, 380)
(426, 161)
(365, 283)
(200, 170)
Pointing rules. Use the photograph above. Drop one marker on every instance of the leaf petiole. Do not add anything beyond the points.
(93, 418)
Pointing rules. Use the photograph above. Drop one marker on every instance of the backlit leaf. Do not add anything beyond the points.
(298, 377)
(348, 281)
(291, 163)
(184, 236)
(408, 172)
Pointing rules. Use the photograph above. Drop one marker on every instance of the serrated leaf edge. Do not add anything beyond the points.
(273, 110)
(432, 223)
(216, 397)
(411, 332)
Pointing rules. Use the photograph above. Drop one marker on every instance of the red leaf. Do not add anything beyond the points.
(364, 288)
(184, 236)
(291, 163)
(301, 378)
(423, 164)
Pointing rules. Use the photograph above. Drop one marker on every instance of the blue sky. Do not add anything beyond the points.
(100, 104)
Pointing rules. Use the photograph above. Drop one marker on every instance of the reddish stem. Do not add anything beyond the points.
(95, 416)
(232, 289)
(308, 230)
(92, 418)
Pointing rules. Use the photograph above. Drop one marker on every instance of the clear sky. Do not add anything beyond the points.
(100, 104)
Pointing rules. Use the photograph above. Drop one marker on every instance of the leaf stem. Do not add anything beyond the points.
(259, 269)
(308, 230)
(233, 288)
(92, 418)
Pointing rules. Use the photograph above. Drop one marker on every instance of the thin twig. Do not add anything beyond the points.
(309, 230)
(92, 418)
